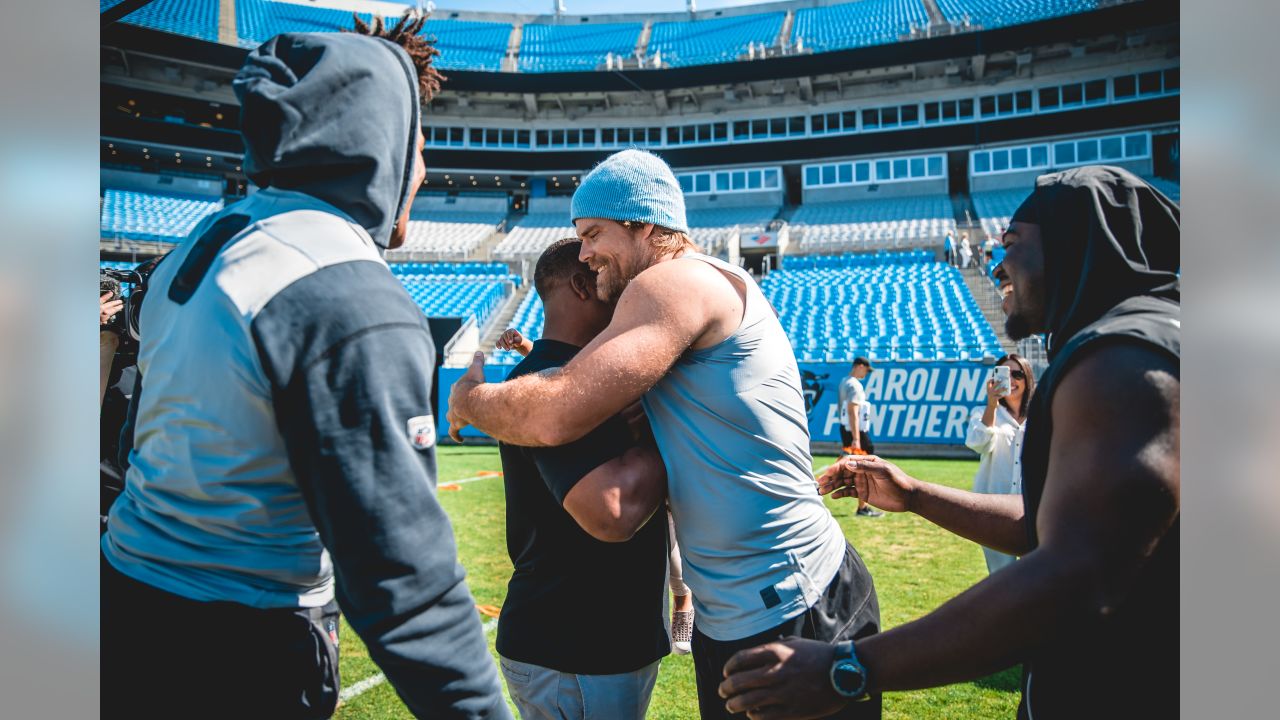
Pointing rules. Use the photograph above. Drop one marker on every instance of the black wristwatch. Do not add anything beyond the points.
(848, 675)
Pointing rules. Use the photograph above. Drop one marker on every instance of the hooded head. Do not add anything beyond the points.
(334, 116)
(1084, 241)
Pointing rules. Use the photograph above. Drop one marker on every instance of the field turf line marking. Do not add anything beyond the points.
(373, 681)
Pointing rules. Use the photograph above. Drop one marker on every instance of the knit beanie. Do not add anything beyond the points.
(631, 185)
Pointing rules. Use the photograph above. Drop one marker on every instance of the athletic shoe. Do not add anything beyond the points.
(868, 511)
(681, 632)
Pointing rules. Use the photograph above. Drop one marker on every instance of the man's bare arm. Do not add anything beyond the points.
(994, 521)
(1111, 494)
(659, 316)
(616, 499)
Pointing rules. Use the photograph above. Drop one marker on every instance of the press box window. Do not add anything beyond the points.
(1064, 153)
(811, 176)
(702, 183)
(884, 170)
(522, 138)
(1112, 148)
(771, 178)
(1095, 91)
(849, 120)
(722, 182)
(844, 173)
(981, 162)
(1049, 98)
(1135, 146)
(935, 166)
(1149, 83)
(1125, 86)
(862, 172)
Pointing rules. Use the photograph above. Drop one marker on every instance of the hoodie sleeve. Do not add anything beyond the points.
(350, 360)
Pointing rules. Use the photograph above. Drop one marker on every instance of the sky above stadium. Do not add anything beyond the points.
(578, 7)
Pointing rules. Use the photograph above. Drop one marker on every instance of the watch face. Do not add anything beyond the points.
(848, 678)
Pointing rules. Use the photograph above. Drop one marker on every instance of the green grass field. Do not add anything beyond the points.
(916, 567)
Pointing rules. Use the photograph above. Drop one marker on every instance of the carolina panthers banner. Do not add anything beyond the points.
(927, 403)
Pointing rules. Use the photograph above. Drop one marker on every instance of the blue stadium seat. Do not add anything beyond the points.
(193, 18)
(887, 306)
(463, 45)
(857, 24)
(152, 217)
(717, 40)
(564, 48)
(475, 290)
(999, 13)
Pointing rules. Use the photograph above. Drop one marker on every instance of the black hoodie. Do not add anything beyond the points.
(1111, 260)
(293, 373)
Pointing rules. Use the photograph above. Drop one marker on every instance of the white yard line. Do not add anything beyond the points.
(373, 681)
(464, 481)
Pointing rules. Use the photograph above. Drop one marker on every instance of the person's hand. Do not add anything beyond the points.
(994, 391)
(784, 679)
(879, 482)
(108, 307)
(458, 396)
(511, 340)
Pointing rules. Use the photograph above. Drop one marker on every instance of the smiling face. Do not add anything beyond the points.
(615, 253)
(1017, 382)
(1021, 276)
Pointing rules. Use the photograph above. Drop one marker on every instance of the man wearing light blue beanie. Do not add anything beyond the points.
(631, 185)
(694, 338)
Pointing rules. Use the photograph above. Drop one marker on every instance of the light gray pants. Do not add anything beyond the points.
(545, 694)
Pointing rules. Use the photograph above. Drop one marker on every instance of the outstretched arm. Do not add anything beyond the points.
(994, 521)
(656, 320)
(1111, 494)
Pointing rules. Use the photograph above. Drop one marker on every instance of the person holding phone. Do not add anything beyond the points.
(995, 433)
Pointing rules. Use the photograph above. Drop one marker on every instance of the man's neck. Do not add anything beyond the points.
(567, 333)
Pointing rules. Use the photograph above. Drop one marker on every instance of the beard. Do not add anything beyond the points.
(612, 280)
(1017, 327)
(1026, 316)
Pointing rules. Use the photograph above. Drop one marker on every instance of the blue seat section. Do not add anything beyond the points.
(718, 40)
(193, 18)
(857, 24)
(470, 45)
(902, 307)
(105, 5)
(464, 270)
(999, 13)
(456, 295)
(156, 218)
(463, 45)
(529, 320)
(564, 48)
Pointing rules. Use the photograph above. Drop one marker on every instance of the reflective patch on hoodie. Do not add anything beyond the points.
(422, 431)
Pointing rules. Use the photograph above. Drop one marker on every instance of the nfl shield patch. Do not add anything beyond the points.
(422, 431)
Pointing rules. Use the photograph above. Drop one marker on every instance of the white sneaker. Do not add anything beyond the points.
(681, 632)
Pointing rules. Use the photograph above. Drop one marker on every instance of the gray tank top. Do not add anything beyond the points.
(758, 545)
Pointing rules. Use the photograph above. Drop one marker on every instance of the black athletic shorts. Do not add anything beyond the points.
(847, 610)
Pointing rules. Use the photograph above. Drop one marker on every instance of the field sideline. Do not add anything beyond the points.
(916, 567)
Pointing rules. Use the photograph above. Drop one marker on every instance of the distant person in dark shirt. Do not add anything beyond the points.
(581, 517)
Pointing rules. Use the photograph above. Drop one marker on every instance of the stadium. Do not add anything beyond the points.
(832, 149)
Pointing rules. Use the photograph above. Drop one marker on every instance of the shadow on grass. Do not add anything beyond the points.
(1005, 681)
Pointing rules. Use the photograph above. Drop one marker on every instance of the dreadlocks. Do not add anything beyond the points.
(422, 50)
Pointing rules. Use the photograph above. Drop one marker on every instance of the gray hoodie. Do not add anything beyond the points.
(283, 433)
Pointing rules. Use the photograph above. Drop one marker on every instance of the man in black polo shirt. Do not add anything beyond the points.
(581, 522)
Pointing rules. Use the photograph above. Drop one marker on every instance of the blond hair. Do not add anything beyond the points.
(664, 240)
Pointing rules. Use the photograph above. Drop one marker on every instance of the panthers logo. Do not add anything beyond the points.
(811, 386)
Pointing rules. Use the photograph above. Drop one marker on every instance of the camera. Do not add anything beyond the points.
(131, 287)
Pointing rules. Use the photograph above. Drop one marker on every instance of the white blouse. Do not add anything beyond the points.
(1000, 450)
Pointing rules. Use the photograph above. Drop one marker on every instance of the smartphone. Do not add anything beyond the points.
(1001, 375)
